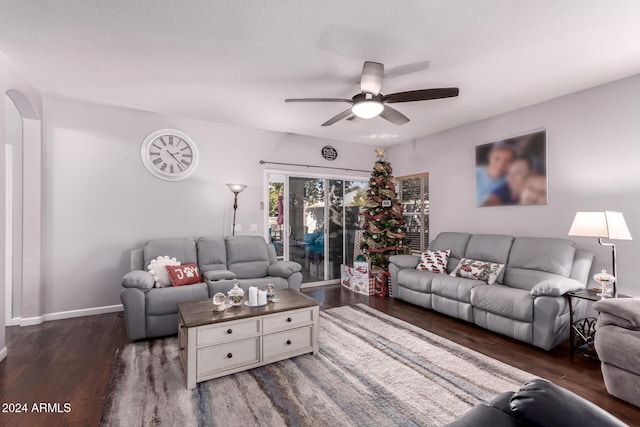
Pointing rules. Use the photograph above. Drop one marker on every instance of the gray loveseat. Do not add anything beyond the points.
(247, 260)
(527, 301)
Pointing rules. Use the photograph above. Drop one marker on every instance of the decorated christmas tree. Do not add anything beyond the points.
(383, 222)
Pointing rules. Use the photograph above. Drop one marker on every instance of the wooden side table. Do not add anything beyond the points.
(582, 331)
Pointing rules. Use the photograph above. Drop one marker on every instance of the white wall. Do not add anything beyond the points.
(10, 79)
(593, 145)
(100, 201)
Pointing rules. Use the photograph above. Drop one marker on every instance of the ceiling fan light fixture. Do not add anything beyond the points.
(370, 103)
(367, 109)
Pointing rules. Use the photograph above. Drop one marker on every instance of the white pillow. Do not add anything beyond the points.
(160, 274)
(434, 261)
(556, 287)
(478, 270)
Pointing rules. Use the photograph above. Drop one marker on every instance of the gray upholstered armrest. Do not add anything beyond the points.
(138, 279)
(405, 261)
(556, 287)
(283, 268)
(541, 403)
(214, 275)
(623, 312)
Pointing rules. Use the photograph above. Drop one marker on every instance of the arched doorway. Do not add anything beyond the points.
(13, 210)
(23, 211)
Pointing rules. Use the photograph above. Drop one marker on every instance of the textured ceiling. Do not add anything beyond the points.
(236, 61)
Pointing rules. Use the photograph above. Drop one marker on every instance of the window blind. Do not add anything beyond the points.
(413, 192)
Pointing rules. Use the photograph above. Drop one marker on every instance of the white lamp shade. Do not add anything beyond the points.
(589, 224)
(607, 224)
(236, 188)
(618, 229)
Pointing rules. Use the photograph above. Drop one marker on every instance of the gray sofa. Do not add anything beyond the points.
(527, 301)
(247, 260)
(617, 343)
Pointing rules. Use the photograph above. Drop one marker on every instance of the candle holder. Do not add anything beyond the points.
(235, 296)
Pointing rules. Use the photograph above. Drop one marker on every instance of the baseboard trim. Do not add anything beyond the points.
(3, 354)
(70, 314)
(320, 284)
(82, 312)
(30, 321)
(13, 322)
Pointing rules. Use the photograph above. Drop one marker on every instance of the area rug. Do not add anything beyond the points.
(372, 369)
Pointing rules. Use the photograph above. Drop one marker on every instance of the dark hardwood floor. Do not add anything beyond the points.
(69, 361)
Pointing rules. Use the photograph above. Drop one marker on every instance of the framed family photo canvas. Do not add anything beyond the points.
(512, 171)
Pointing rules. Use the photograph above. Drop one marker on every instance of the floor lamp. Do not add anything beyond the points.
(603, 225)
(235, 189)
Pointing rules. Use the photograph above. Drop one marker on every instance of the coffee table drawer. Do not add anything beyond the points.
(228, 331)
(288, 320)
(227, 356)
(282, 343)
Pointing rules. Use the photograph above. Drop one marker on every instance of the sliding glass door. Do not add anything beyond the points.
(306, 226)
(318, 222)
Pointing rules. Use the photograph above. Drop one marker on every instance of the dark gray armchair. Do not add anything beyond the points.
(538, 403)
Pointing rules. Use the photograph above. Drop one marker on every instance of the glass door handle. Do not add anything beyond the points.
(288, 230)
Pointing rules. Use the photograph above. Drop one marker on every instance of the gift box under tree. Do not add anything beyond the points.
(361, 280)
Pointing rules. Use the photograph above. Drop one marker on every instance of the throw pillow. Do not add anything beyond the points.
(157, 268)
(478, 270)
(138, 279)
(186, 274)
(556, 287)
(435, 261)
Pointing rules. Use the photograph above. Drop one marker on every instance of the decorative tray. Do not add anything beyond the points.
(259, 305)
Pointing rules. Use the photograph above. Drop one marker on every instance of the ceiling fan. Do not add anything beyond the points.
(371, 103)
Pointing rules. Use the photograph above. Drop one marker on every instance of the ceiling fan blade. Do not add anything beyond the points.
(318, 100)
(338, 117)
(371, 78)
(393, 115)
(402, 70)
(421, 95)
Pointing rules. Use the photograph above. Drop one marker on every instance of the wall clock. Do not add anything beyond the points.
(169, 154)
(329, 152)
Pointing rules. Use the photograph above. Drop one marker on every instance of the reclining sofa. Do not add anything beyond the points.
(247, 260)
(526, 302)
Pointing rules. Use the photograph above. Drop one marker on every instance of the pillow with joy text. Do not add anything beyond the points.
(185, 274)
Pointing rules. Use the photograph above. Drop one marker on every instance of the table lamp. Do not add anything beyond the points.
(235, 189)
(603, 225)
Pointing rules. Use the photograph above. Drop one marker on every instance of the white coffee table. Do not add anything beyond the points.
(214, 344)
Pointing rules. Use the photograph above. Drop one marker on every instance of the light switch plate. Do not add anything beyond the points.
(254, 227)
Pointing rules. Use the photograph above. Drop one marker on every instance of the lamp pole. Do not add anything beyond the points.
(235, 208)
(613, 262)
(235, 189)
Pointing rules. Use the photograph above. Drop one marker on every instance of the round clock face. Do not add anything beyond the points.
(169, 154)
(329, 152)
